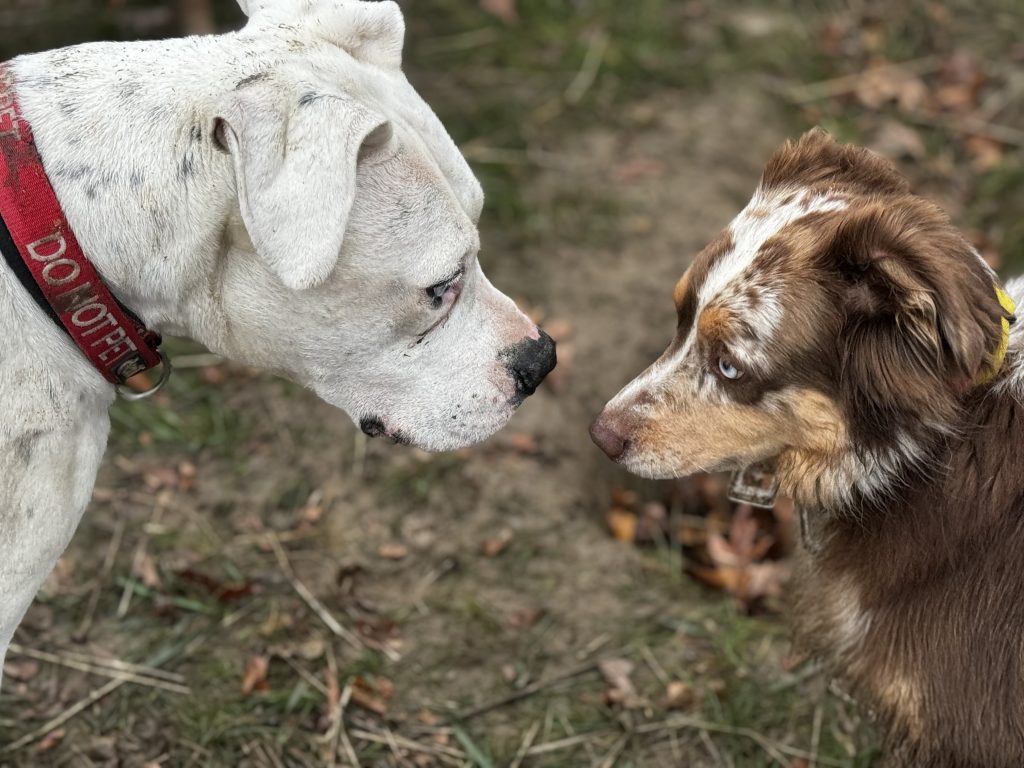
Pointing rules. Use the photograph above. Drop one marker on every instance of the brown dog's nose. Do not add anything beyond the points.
(604, 432)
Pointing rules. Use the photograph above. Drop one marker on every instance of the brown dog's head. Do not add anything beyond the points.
(835, 324)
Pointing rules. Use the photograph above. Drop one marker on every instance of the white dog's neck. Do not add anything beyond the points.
(125, 137)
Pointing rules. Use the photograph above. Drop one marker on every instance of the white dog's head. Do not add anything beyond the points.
(353, 265)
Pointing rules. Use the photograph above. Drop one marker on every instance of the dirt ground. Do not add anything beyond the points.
(472, 608)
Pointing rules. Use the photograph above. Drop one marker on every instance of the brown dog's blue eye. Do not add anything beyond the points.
(728, 369)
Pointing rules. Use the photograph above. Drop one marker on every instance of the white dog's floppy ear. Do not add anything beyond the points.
(295, 155)
(370, 32)
(373, 32)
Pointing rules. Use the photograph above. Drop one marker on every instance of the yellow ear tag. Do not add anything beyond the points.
(996, 364)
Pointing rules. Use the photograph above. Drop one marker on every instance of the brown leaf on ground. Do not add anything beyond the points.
(255, 677)
(392, 551)
(51, 740)
(525, 618)
(622, 523)
(678, 695)
(639, 168)
(505, 10)
(225, 592)
(21, 669)
(493, 546)
(186, 475)
(160, 477)
(145, 570)
(960, 83)
(896, 140)
(373, 694)
(523, 443)
(986, 154)
(616, 673)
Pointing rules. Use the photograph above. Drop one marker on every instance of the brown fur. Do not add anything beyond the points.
(912, 472)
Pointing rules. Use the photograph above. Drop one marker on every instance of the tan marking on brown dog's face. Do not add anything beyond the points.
(670, 438)
(716, 323)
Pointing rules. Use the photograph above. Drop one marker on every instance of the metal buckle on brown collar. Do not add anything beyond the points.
(757, 484)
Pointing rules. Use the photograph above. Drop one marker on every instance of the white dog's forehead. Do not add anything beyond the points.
(336, 47)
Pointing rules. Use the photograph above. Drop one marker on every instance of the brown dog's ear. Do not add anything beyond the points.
(915, 292)
(817, 159)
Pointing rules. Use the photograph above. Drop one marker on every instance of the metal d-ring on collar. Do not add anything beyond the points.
(165, 374)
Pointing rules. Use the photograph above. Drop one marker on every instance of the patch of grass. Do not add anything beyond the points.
(189, 413)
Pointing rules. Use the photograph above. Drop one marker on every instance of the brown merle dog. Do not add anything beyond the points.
(843, 328)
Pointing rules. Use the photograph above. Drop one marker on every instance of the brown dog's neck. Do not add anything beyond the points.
(940, 510)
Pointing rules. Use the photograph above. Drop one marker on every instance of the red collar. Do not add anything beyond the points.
(44, 253)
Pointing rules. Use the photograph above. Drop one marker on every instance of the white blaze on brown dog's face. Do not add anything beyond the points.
(836, 310)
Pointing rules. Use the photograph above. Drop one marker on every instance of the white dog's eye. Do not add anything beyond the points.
(445, 292)
(727, 369)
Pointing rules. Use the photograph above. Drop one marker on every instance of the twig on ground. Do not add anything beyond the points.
(346, 742)
(709, 745)
(839, 86)
(449, 754)
(393, 746)
(615, 753)
(306, 675)
(527, 691)
(656, 668)
(163, 500)
(315, 605)
(64, 716)
(559, 744)
(587, 75)
(96, 669)
(117, 664)
(1004, 134)
(80, 634)
(815, 736)
(525, 744)
(773, 748)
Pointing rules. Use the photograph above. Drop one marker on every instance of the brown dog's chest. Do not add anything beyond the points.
(926, 630)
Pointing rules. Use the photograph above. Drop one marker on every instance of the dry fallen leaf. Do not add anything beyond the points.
(678, 695)
(145, 570)
(622, 523)
(523, 443)
(616, 673)
(374, 695)
(524, 618)
(186, 475)
(896, 140)
(392, 551)
(493, 546)
(503, 9)
(986, 154)
(255, 677)
(51, 740)
(21, 669)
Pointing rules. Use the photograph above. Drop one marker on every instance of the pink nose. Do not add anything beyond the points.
(606, 433)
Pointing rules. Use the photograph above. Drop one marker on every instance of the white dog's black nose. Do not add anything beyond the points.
(529, 361)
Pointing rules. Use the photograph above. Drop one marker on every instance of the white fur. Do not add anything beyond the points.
(306, 249)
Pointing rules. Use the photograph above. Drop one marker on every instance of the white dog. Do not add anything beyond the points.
(280, 194)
